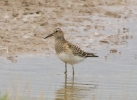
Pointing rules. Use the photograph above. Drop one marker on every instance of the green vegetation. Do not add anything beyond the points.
(5, 97)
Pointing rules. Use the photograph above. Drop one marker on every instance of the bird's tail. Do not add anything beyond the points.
(91, 55)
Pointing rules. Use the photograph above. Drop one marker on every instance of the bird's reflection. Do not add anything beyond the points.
(74, 91)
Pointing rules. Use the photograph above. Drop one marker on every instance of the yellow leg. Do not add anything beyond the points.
(73, 69)
(65, 68)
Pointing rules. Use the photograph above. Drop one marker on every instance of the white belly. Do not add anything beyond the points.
(69, 58)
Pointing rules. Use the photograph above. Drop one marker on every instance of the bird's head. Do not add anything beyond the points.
(57, 33)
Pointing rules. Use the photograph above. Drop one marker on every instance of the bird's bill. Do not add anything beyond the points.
(49, 36)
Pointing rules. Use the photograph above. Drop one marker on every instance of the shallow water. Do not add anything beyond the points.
(41, 77)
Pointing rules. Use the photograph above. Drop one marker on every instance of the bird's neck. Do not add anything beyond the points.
(59, 43)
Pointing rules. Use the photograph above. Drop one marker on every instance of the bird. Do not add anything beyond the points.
(66, 51)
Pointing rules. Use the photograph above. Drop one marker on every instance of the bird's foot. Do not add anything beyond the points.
(65, 72)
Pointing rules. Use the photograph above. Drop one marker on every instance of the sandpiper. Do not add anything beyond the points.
(66, 51)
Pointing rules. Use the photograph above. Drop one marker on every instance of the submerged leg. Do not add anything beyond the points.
(73, 69)
(65, 81)
(65, 68)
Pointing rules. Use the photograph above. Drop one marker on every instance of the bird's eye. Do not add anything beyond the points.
(56, 31)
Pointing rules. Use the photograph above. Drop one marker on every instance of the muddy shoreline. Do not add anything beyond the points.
(24, 24)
